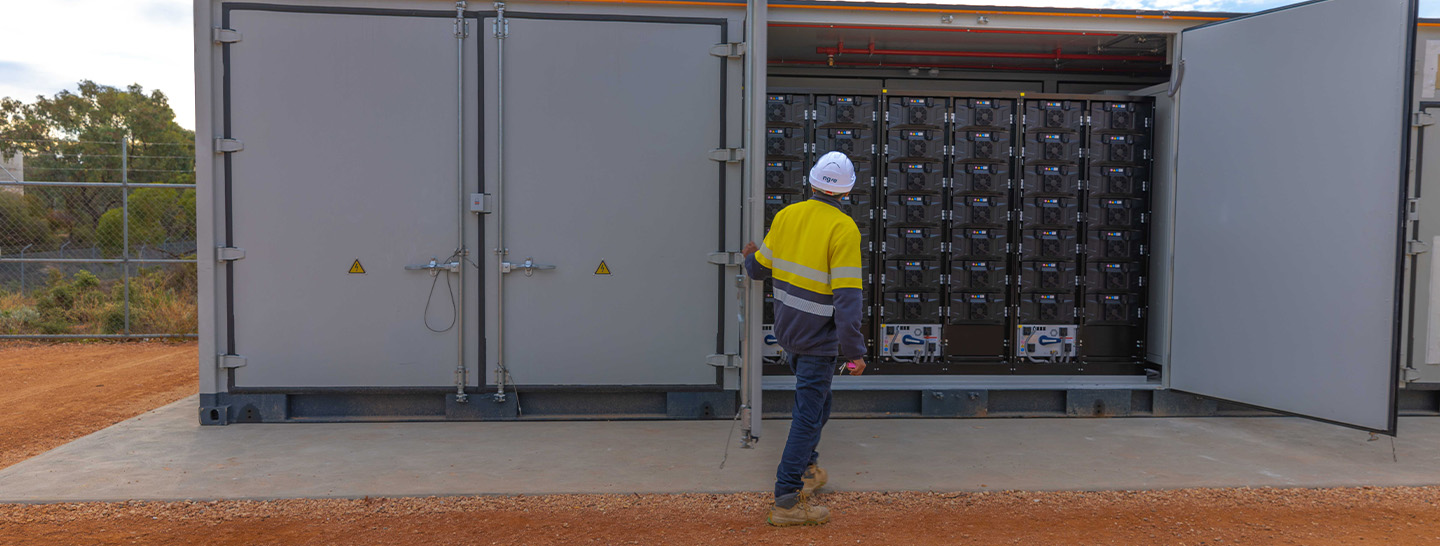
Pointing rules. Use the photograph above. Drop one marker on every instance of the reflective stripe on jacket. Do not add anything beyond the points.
(812, 256)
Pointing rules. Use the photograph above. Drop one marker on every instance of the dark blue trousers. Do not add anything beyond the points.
(812, 410)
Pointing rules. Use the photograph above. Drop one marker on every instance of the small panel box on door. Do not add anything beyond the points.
(1053, 146)
(982, 145)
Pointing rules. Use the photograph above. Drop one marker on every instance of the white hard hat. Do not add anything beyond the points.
(833, 173)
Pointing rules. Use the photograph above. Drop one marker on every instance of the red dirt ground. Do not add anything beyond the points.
(50, 394)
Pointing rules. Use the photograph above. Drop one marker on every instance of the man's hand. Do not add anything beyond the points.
(749, 249)
(856, 366)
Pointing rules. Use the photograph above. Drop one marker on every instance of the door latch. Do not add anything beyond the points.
(435, 266)
(529, 266)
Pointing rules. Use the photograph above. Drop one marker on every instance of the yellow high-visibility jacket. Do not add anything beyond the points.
(812, 256)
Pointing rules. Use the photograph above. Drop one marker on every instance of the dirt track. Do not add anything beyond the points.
(1401, 516)
(50, 394)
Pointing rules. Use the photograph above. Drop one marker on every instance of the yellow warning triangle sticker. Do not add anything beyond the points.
(603, 269)
(356, 268)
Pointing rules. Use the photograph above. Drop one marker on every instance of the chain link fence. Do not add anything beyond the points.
(97, 239)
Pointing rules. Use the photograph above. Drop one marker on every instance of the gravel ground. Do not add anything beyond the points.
(1390, 516)
(48, 396)
(51, 394)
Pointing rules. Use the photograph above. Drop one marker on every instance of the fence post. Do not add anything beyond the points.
(22, 267)
(125, 221)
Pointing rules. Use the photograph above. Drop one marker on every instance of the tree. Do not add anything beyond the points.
(157, 216)
(24, 222)
(75, 136)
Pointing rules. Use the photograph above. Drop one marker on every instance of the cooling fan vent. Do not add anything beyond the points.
(980, 279)
(845, 113)
(915, 148)
(1115, 281)
(1052, 183)
(982, 182)
(1117, 216)
(985, 150)
(1054, 118)
(919, 116)
(1121, 152)
(1054, 150)
(1049, 311)
(1116, 249)
(774, 146)
(1120, 184)
(1121, 120)
(984, 116)
(845, 146)
(1049, 280)
(774, 179)
(1050, 247)
(775, 112)
(915, 181)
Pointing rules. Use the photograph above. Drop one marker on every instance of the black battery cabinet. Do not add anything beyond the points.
(990, 225)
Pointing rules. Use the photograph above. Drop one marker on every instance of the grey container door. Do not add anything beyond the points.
(1292, 149)
(607, 130)
(349, 125)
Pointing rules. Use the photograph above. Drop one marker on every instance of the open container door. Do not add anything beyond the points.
(1293, 139)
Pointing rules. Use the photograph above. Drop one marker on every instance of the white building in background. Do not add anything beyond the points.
(12, 168)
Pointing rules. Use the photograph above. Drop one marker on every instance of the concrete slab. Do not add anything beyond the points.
(165, 455)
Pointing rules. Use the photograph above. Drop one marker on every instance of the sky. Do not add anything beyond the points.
(50, 45)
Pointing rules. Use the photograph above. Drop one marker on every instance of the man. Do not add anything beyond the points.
(812, 256)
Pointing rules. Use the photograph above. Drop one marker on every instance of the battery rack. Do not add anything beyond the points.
(1001, 234)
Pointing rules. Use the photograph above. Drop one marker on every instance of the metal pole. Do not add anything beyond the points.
(22, 267)
(502, 30)
(125, 221)
(461, 31)
(755, 67)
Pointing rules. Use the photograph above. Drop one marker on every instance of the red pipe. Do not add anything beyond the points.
(963, 66)
(840, 50)
(925, 29)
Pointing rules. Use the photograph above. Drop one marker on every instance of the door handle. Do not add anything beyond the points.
(529, 266)
(435, 266)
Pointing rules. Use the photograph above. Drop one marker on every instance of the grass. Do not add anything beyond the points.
(162, 301)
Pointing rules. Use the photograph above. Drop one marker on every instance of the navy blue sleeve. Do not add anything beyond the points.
(755, 270)
(849, 311)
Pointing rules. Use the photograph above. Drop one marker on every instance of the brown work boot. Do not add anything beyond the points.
(814, 478)
(792, 509)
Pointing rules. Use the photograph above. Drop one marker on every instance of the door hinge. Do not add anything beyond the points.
(224, 35)
(229, 254)
(729, 50)
(723, 360)
(726, 258)
(229, 362)
(728, 155)
(1414, 248)
(1421, 119)
(1411, 374)
(228, 145)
